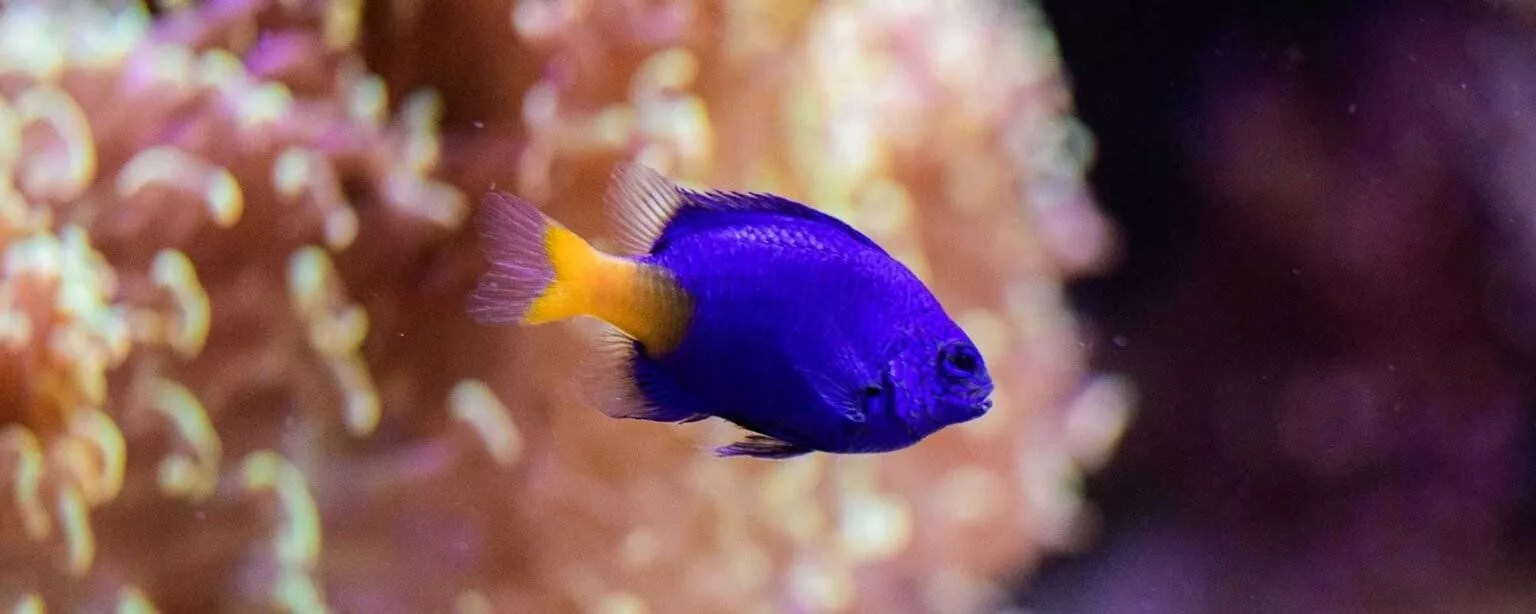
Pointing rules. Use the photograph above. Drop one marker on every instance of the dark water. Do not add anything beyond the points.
(1326, 302)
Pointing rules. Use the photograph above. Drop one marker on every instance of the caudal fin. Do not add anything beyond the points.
(514, 235)
(542, 272)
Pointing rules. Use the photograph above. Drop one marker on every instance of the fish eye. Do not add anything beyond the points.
(960, 360)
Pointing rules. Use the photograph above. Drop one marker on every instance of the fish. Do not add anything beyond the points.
(742, 306)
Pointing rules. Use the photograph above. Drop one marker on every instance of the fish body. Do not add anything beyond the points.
(751, 308)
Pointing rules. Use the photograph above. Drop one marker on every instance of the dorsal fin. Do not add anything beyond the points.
(640, 202)
(770, 203)
(643, 205)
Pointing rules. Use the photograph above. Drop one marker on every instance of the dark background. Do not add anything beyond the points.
(1325, 302)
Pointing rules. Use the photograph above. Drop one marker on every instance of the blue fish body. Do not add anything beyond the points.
(797, 327)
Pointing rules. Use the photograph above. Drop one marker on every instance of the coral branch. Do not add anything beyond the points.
(473, 403)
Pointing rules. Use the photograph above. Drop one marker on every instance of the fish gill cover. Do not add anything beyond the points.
(235, 373)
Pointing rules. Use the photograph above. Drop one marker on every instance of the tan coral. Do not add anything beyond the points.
(474, 403)
(69, 454)
(194, 472)
(26, 477)
(63, 332)
(233, 298)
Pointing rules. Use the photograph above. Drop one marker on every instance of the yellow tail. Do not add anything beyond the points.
(542, 272)
(586, 281)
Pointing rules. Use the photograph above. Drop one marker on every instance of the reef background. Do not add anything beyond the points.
(1326, 304)
(235, 371)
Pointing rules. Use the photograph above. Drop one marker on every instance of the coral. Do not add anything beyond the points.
(237, 371)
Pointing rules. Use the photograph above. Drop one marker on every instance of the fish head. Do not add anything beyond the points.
(958, 385)
(936, 377)
(962, 390)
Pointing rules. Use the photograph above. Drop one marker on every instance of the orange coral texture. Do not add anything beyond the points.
(236, 372)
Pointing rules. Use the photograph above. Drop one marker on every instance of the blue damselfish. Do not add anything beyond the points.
(747, 307)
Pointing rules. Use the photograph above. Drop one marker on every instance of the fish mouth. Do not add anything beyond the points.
(980, 408)
(966, 412)
(981, 402)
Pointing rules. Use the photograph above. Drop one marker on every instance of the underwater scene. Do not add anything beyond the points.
(239, 242)
(767, 306)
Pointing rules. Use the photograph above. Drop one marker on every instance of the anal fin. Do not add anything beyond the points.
(620, 382)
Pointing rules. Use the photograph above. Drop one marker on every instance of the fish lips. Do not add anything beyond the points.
(976, 410)
(956, 413)
(980, 398)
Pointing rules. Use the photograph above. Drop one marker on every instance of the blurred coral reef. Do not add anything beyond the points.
(236, 374)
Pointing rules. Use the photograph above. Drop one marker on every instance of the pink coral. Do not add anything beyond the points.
(234, 282)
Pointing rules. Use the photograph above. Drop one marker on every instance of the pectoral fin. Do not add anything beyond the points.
(763, 446)
(849, 387)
